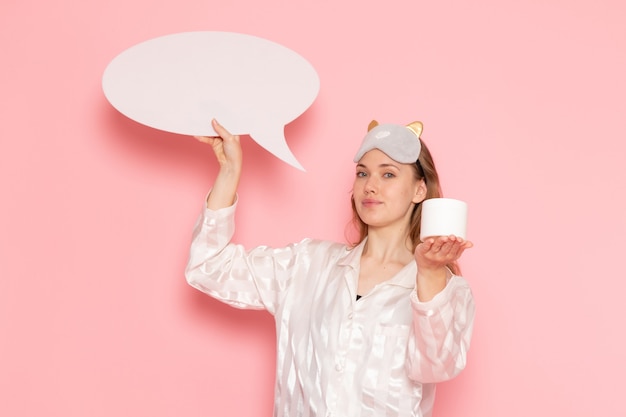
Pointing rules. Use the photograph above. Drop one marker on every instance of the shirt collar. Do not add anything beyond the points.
(352, 257)
(404, 278)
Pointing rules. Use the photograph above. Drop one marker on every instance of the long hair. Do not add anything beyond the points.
(423, 168)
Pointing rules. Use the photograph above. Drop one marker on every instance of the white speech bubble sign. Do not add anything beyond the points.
(178, 83)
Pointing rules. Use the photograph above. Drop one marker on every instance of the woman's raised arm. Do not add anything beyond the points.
(227, 149)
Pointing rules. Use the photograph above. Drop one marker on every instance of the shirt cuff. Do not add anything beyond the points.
(428, 308)
(210, 216)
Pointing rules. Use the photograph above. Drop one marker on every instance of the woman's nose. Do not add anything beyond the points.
(370, 185)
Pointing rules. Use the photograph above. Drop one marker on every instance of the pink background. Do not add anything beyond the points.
(523, 105)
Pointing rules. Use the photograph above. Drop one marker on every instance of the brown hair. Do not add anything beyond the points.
(424, 168)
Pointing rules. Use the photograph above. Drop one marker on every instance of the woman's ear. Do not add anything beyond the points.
(420, 191)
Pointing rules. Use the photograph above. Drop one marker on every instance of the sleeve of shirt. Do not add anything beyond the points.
(441, 333)
(252, 279)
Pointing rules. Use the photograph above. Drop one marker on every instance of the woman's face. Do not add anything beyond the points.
(385, 191)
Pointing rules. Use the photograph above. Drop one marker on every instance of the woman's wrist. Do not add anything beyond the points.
(431, 282)
(224, 189)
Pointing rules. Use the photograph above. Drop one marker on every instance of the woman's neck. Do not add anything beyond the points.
(387, 245)
(384, 255)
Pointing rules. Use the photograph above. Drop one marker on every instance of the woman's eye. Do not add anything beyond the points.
(388, 175)
(360, 174)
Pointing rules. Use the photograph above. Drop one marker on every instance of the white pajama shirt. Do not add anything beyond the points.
(336, 356)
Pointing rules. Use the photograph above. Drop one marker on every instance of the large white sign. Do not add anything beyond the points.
(178, 83)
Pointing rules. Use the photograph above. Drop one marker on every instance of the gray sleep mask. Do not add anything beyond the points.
(400, 143)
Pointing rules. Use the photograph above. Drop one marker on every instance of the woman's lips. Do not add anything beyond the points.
(369, 202)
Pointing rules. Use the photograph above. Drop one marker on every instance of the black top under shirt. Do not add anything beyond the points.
(358, 297)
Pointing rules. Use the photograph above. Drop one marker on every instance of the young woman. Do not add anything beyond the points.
(362, 330)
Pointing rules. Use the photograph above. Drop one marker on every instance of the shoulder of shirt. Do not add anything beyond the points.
(325, 245)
